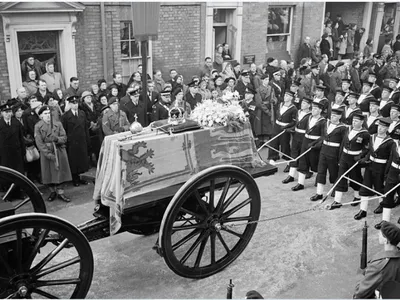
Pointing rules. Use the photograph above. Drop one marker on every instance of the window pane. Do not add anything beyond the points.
(134, 49)
(277, 43)
(125, 49)
(219, 15)
(124, 30)
(278, 20)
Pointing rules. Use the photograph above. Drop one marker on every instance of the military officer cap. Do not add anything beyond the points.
(5, 107)
(113, 100)
(321, 87)
(385, 121)
(359, 116)
(337, 111)
(43, 109)
(296, 82)
(320, 105)
(340, 91)
(135, 91)
(395, 79)
(276, 70)
(374, 101)
(194, 83)
(308, 100)
(314, 66)
(72, 99)
(249, 90)
(244, 73)
(165, 93)
(346, 81)
(367, 83)
(391, 232)
(290, 93)
(395, 107)
(230, 78)
(388, 88)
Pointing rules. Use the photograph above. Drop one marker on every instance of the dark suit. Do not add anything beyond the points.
(12, 147)
(78, 141)
(192, 100)
(159, 112)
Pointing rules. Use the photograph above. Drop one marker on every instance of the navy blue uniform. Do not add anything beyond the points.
(348, 118)
(312, 136)
(160, 111)
(385, 110)
(371, 124)
(283, 121)
(375, 171)
(329, 155)
(352, 150)
(298, 136)
(392, 174)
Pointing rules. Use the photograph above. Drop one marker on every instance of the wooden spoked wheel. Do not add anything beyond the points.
(20, 192)
(43, 256)
(197, 238)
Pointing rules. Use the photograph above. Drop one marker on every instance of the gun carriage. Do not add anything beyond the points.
(44, 256)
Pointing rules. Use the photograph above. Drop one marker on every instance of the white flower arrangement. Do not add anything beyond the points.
(226, 112)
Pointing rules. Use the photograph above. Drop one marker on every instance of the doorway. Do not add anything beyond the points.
(43, 45)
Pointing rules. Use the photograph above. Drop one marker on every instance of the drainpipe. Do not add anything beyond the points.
(103, 39)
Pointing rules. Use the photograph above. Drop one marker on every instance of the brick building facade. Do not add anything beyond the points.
(188, 32)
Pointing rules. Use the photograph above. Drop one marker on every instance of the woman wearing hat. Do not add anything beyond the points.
(31, 83)
(204, 92)
(50, 139)
(227, 70)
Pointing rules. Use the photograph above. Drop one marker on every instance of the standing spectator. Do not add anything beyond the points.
(207, 68)
(387, 49)
(340, 23)
(78, 141)
(226, 53)
(173, 74)
(357, 39)
(325, 46)
(136, 78)
(135, 108)
(12, 145)
(152, 95)
(92, 112)
(355, 75)
(158, 81)
(328, 31)
(227, 70)
(389, 70)
(342, 45)
(53, 79)
(43, 94)
(237, 70)
(335, 40)
(73, 89)
(272, 64)
(31, 63)
(55, 109)
(323, 64)
(218, 59)
(350, 41)
(114, 120)
(117, 82)
(50, 139)
(193, 97)
(30, 118)
(179, 102)
(336, 78)
(396, 45)
(31, 83)
(307, 85)
(140, 70)
(305, 49)
(103, 101)
(316, 55)
(368, 48)
(102, 83)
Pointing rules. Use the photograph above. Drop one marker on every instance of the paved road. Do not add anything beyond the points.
(314, 254)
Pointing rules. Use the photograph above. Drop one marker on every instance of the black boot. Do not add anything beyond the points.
(288, 179)
(298, 187)
(360, 215)
(316, 197)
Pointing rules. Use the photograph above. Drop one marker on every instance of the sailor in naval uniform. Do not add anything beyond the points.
(386, 102)
(285, 119)
(339, 103)
(315, 131)
(376, 159)
(371, 123)
(354, 147)
(352, 109)
(320, 98)
(330, 150)
(297, 139)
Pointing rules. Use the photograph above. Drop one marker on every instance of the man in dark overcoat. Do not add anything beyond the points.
(78, 141)
(12, 146)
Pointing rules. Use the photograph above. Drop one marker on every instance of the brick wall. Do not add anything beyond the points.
(4, 79)
(179, 40)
